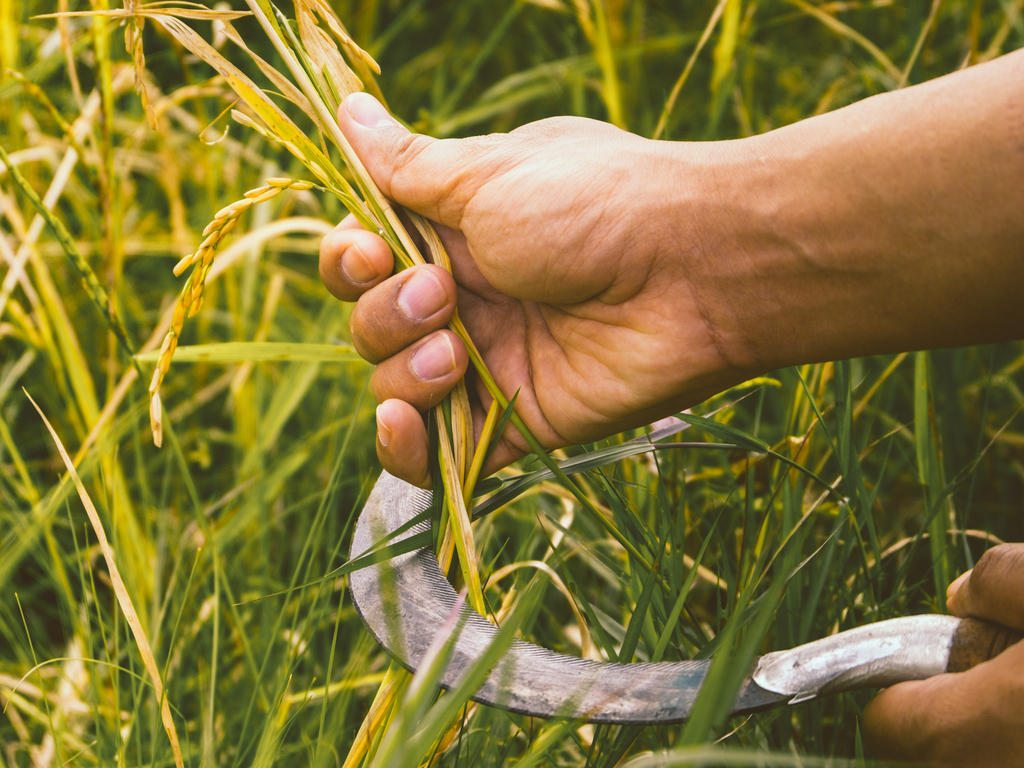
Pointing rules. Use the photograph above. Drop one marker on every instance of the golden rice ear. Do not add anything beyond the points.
(133, 44)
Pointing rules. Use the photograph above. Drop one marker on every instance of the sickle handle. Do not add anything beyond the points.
(977, 640)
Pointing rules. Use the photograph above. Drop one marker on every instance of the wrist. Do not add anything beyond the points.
(718, 244)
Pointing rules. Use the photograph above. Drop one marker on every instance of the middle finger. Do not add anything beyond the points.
(402, 310)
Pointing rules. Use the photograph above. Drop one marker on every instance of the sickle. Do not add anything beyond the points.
(406, 600)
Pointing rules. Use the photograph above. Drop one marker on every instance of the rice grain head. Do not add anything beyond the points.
(191, 298)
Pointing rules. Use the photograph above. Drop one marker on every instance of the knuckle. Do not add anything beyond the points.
(382, 383)
(369, 332)
(390, 380)
(995, 566)
(400, 153)
(983, 569)
(995, 589)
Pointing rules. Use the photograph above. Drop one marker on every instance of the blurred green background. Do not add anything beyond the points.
(265, 463)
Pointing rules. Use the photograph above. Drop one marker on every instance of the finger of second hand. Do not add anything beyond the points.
(966, 718)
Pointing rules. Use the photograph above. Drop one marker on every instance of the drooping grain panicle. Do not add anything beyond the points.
(190, 300)
(133, 44)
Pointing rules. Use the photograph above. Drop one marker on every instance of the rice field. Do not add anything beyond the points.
(176, 605)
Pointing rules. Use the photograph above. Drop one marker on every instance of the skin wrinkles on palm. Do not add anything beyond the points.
(584, 369)
(576, 238)
(590, 358)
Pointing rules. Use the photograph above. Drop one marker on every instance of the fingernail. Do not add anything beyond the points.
(355, 266)
(422, 295)
(383, 430)
(434, 359)
(367, 111)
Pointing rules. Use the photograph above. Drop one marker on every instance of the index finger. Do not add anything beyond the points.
(352, 260)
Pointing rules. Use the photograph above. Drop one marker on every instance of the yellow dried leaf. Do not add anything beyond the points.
(334, 24)
(327, 59)
(282, 83)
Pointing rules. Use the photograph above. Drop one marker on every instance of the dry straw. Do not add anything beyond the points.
(318, 79)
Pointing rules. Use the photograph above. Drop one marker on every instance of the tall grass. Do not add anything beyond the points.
(909, 465)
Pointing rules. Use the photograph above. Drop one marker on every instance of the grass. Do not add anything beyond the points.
(267, 449)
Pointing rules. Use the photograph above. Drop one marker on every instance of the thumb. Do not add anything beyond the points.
(430, 176)
(994, 590)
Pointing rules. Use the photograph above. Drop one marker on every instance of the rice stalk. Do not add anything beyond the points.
(848, 32)
(39, 95)
(133, 44)
(919, 44)
(670, 102)
(91, 283)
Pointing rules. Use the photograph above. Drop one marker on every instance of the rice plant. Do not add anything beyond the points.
(169, 607)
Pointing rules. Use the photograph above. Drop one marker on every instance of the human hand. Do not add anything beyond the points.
(972, 718)
(613, 280)
(566, 240)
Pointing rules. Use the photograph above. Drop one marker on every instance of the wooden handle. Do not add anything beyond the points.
(976, 641)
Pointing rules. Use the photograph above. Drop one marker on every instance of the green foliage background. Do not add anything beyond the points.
(265, 464)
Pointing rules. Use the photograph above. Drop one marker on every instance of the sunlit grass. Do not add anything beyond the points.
(268, 443)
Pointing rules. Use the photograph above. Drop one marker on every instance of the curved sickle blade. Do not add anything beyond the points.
(405, 601)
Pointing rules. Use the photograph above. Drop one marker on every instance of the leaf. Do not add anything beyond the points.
(639, 613)
(840, 28)
(459, 520)
(70, 247)
(325, 55)
(149, 11)
(123, 598)
(677, 609)
(282, 83)
(744, 440)
(374, 556)
(499, 428)
(334, 23)
(278, 122)
(510, 489)
(258, 351)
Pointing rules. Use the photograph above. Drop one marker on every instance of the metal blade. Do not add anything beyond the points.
(404, 601)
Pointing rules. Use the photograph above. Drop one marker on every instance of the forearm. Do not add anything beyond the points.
(894, 224)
